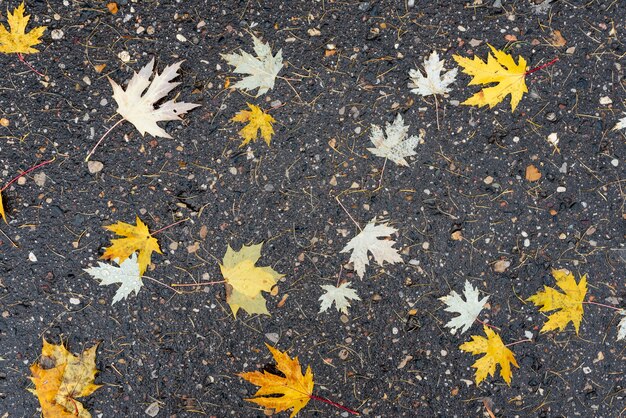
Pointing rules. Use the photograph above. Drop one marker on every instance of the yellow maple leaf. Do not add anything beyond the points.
(294, 388)
(258, 120)
(4, 217)
(495, 353)
(138, 238)
(17, 40)
(60, 377)
(245, 281)
(569, 304)
(501, 69)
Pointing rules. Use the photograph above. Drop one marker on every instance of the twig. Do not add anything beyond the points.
(161, 283)
(14, 179)
(541, 67)
(527, 340)
(197, 284)
(335, 404)
(588, 302)
(21, 58)
(10, 240)
(348, 213)
(436, 111)
(169, 226)
(487, 324)
(102, 139)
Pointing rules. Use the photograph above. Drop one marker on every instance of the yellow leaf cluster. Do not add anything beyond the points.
(245, 281)
(495, 353)
(138, 238)
(294, 388)
(257, 120)
(60, 377)
(17, 40)
(501, 69)
(568, 304)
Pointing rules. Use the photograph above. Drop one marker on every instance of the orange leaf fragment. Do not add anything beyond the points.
(532, 173)
(112, 6)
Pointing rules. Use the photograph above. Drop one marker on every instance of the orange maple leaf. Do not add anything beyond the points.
(138, 238)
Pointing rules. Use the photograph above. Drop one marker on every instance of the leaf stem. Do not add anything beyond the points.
(335, 404)
(21, 58)
(348, 213)
(541, 67)
(102, 139)
(161, 283)
(527, 340)
(14, 179)
(588, 302)
(196, 284)
(487, 324)
(169, 226)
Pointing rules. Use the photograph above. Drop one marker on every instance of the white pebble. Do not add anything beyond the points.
(75, 301)
(181, 38)
(32, 257)
(394, 331)
(526, 242)
(124, 56)
(614, 162)
(561, 189)
(57, 34)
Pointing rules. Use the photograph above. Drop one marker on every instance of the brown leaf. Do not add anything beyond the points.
(556, 39)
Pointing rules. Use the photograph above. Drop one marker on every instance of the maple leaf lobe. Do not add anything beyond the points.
(17, 40)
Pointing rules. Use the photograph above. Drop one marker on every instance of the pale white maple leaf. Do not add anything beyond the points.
(469, 309)
(341, 295)
(262, 69)
(396, 146)
(140, 109)
(621, 123)
(433, 82)
(368, 241)
(127, 274)
(621, 334)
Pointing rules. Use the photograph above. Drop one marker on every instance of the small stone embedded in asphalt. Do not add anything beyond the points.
(94, 166)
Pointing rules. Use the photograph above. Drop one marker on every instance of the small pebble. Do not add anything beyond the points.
(21, 181)
(272, 336)
(94, 166)
(488, 180)
(124, 56)
(561, 189)
(606, 100)
(32, 257)
(614, 162)
(153, 409)
(40, 179)
(74, 301)
(57, 34)
(181, 38)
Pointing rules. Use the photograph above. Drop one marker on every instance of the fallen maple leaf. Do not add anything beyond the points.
(568, 304)
(468, 309)
(433, 83)
(340, 295)
(367, 240)
(139, 109)
(17, 40)
(396, 146)
(495, 353)
(294, 388)
(245, 281)
(138, 238)
(263, 70)
(257, 120)
(127, 274)
(60, 377)
(509, 76)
